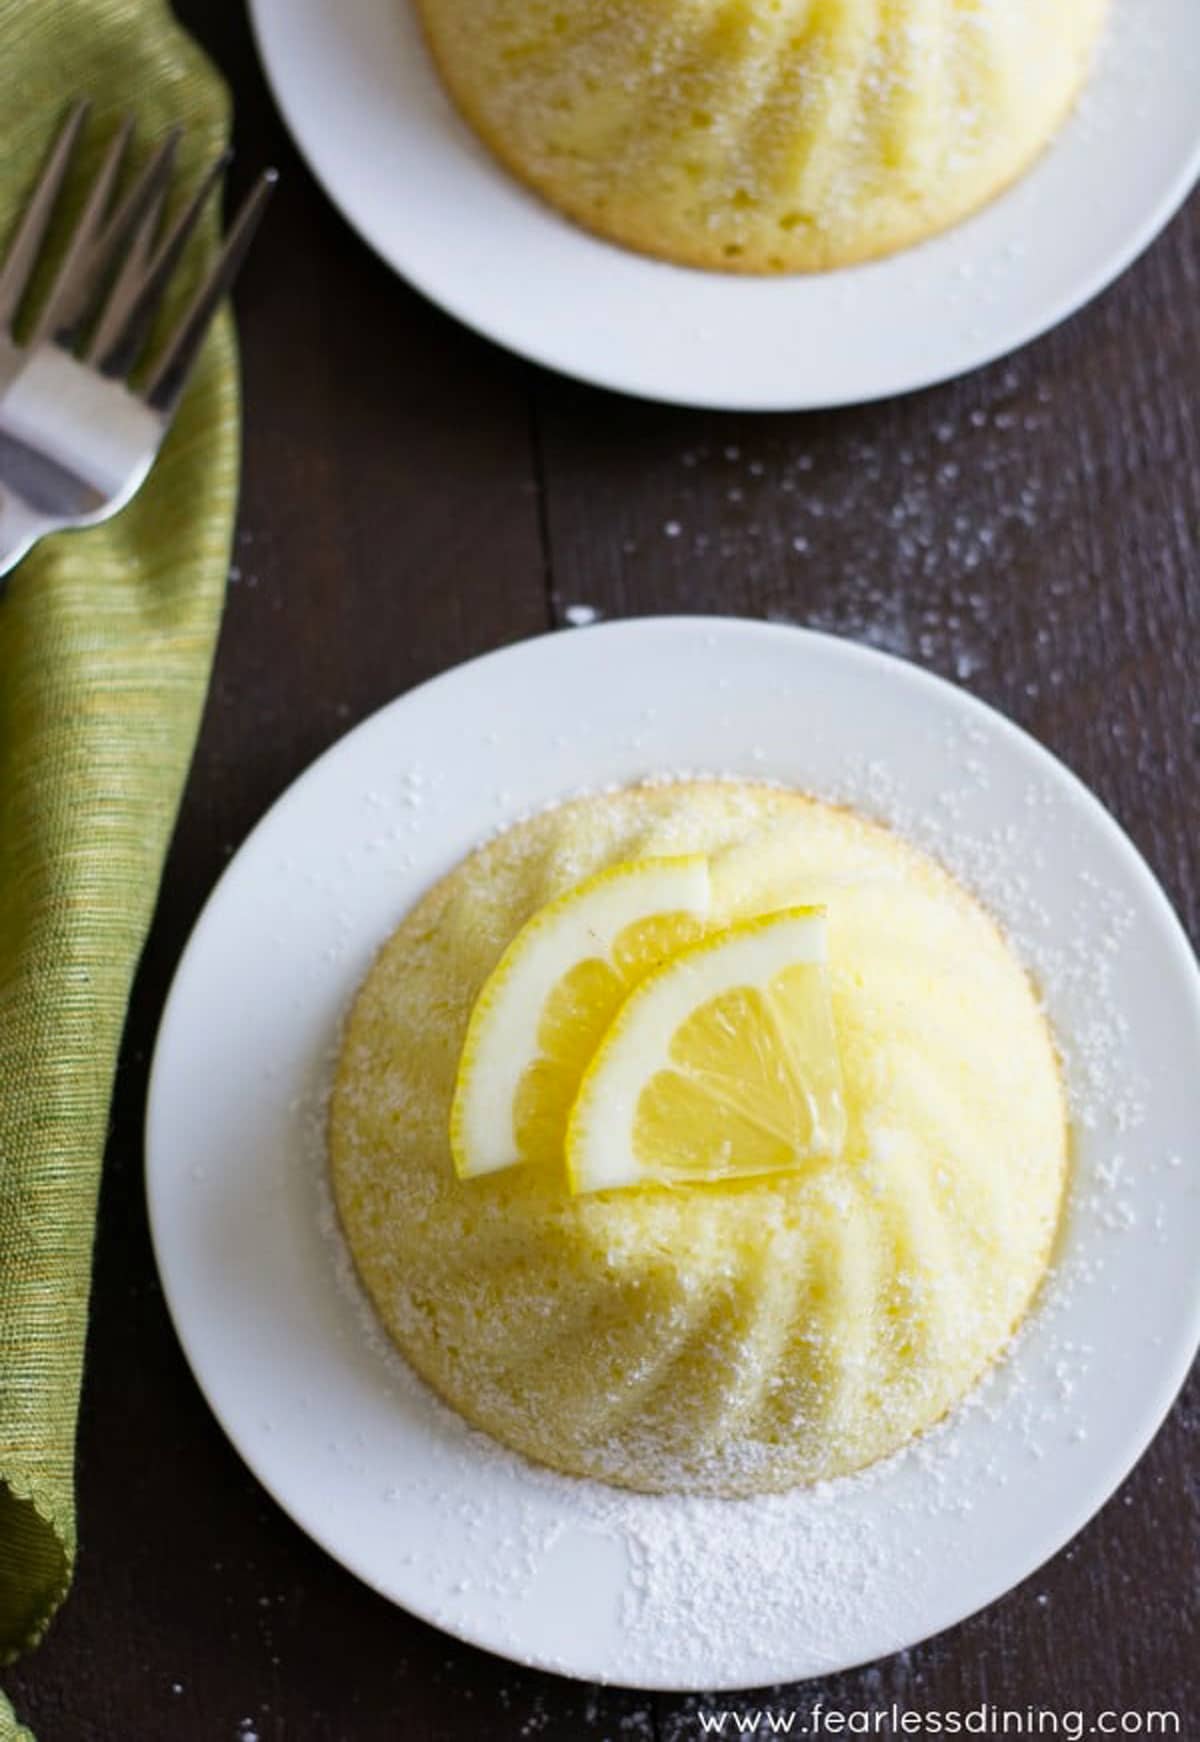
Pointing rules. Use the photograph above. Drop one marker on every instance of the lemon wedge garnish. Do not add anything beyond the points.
(551, 997)
(722, 1064)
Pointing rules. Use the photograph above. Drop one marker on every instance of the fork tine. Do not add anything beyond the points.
(142, 282)
(147, 190)
(23, 250)
(134, 220)
(61, 308)
(165, 385)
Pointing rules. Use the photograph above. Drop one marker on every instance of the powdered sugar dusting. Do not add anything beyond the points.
(579, 616)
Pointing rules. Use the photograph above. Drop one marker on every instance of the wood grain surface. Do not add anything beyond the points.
(412, 497)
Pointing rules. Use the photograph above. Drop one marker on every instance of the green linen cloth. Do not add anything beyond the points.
(106, 641)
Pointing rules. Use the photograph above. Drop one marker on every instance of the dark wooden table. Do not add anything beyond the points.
(412, 497)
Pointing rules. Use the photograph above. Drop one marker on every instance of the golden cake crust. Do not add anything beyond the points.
(764, 136)
(732, 1338)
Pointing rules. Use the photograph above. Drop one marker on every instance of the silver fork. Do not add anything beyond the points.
(77, 437)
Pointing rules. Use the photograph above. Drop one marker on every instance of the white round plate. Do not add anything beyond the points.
(357, 89)
(572, 1576)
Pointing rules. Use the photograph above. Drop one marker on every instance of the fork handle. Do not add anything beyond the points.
(20, 527)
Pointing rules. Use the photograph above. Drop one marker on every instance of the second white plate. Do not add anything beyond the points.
(359, 94)
(650, 1590)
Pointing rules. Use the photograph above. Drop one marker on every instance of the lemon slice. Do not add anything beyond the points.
(722, 1064)
(551, 997)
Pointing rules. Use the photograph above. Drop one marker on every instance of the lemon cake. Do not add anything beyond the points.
(699, 1137)
(764, 135)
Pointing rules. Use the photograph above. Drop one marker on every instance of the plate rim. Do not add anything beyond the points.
(1173, 1360)
(631, 381)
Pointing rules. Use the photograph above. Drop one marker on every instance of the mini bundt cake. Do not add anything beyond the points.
(747, 1335)
(764, 135)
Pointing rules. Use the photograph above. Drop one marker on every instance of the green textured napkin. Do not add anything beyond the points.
(106, 640)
